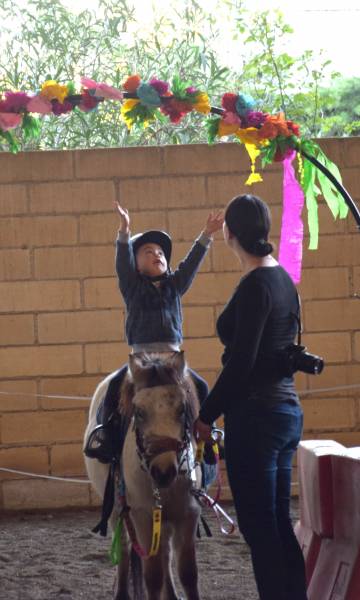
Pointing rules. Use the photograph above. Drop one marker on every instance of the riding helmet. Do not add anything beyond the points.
(153, 237)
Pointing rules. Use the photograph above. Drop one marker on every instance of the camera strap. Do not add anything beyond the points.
(298, 318)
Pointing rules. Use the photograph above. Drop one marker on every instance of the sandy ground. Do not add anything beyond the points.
(54, 555)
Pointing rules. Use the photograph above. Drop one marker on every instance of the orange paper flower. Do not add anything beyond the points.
(132, 83)
(274, 125)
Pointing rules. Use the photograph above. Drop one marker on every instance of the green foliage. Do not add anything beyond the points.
(52, 42)
(279, 81)
(341, 108)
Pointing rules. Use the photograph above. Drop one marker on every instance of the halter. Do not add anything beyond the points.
(151, 447)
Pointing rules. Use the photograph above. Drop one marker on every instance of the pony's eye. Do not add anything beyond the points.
(181, 410)
(139, 414)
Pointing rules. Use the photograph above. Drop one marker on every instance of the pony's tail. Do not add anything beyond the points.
(137, 575)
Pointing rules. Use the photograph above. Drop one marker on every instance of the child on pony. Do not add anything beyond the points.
(152, 295)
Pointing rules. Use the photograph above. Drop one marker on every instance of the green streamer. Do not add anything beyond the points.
(311, 191)
(31, 127)
(212, 126)
(330, 193)
(10, 139)
(115, 552)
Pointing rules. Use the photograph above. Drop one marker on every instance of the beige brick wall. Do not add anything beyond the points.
(62, 318)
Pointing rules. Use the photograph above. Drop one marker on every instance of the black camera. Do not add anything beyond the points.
(295, 358)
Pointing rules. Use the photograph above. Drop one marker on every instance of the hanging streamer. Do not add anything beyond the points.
(292, 229)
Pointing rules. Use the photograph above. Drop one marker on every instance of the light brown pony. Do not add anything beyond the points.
(159, 399)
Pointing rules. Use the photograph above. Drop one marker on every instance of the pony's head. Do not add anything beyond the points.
(165, 405)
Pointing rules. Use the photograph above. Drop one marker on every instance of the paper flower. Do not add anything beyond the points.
(54, 91)
(228, 102)
(132, 83)
(254, 119)
(202, 103)
(14, 102)
(227, 128)
(148, 95)
(88, 102)
(231, 118)
(101, 90)
(176, 109)
(39, 104)
(244, 104)
(60, 108)
(162, 87)
(273, 126)
(10, 120)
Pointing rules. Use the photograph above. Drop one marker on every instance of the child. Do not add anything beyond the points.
(152, 294)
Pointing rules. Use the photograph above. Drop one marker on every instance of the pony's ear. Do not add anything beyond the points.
(136, 365)
(178, 362)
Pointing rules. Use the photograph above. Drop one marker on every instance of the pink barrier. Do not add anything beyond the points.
(337, 571)
(316, 500)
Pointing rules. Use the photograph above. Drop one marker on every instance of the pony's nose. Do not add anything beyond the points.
(163, 478)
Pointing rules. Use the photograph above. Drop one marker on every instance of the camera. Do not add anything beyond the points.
(295, 358)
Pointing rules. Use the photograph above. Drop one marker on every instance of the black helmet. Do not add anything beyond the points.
(153, 237)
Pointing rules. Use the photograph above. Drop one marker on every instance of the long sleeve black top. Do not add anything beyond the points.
(257, 322)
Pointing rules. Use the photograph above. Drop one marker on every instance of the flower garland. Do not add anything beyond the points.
(272, 137)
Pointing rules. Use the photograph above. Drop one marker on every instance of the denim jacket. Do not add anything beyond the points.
(153, 314)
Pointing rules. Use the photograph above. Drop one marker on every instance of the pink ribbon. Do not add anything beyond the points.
(292, 228)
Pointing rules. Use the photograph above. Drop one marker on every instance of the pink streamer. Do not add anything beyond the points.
(292, 228)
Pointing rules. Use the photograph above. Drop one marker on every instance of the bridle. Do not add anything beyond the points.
(148, 448)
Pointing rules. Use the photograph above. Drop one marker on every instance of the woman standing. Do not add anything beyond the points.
(262, 414)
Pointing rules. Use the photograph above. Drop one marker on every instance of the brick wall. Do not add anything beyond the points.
(62, 318)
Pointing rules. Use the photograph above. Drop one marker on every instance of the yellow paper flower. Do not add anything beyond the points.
(126, 108)
(51, 90)
(202, 104)
(248, 135)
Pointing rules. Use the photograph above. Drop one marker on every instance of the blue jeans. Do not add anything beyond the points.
(259, 448)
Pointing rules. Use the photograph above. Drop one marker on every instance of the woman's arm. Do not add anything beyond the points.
(252, 308)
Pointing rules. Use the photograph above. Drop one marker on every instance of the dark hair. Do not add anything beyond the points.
(249, 220)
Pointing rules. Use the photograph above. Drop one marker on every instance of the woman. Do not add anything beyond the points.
(262, 414)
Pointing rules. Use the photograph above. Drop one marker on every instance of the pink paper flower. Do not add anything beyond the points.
(9, 120)
(191, 90)
(101, 90)
(88, 102)
(231, 118)
(39, 104)
(162, 87)
(255, 118)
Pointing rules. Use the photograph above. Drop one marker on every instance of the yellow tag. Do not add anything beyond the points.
(156, 532)
(200, 452)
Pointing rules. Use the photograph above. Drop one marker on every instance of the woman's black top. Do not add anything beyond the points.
(258, 321)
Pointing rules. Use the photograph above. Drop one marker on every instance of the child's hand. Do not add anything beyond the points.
(124, 218)
(214, 223)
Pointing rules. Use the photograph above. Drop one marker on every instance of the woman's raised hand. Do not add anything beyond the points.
(214, 222)
(124, 218)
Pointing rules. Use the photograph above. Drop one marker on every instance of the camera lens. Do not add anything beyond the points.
(310, 363)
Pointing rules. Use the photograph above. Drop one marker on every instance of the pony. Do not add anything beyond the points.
(159, 400)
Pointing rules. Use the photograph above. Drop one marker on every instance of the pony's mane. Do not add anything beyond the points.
(157, 372)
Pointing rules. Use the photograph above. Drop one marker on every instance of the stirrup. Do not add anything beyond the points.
(99, 445)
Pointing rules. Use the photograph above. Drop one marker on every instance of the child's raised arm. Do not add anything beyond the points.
(125, 260)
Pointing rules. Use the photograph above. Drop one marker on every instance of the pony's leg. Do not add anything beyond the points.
(154, 576)
(184, 541)
(169, 592)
